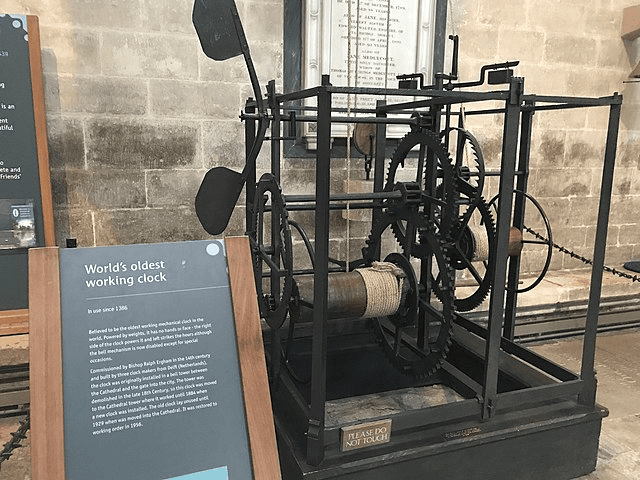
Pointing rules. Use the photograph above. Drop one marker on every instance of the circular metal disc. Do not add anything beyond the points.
(364, 136)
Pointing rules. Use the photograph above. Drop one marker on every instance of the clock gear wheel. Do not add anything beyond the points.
(270, 237)
(416, 346)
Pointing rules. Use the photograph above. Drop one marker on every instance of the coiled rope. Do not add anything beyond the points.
(383, 283)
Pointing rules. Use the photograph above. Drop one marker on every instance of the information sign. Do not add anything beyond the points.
(151, 378)
(26, 215)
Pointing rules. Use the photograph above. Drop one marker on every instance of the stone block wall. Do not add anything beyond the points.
(137, 114)
(565, 48)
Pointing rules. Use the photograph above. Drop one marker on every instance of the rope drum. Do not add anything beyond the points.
(480, 244)
(383, 283)
(367, 292)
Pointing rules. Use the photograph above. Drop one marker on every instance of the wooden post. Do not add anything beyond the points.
(37, 90)
(14, 322)
(253, 369)
(45, 369)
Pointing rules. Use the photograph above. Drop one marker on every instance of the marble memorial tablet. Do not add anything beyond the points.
(383, 39)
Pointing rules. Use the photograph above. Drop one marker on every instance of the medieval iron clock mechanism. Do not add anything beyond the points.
(375, 370)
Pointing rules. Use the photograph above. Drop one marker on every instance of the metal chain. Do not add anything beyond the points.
(16, 439)
(633, 278)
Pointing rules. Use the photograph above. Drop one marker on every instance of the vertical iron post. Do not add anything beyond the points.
(587, 373)
(275, 129)
(276, 239)
(378, 171)
(249, 139)
(440, 37)
(315, 432)
(496, 304)
(292, 61)
(518, 222)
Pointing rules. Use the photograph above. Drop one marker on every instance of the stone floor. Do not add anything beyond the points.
(14, 350)
(618, 373)
(18, 467)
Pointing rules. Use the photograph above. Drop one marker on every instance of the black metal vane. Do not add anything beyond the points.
(221, 35)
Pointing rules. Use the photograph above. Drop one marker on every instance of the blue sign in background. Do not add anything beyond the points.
(19, 169)
(151, 375)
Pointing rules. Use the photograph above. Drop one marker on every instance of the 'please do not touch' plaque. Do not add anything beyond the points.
(364, 435)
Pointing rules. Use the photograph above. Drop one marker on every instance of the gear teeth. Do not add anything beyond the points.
(432, 244)
(275, 316)
(477, 297)
(403, 148)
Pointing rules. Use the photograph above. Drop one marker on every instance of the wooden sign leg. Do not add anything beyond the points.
(253, 369)
(45, 358)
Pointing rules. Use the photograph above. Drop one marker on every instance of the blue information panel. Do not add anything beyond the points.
(151, 376)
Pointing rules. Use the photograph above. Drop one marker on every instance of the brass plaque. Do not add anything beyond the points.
(365, 435)
(467, 432)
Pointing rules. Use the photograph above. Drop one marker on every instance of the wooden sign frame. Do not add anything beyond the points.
(17, 321)
(45, 356)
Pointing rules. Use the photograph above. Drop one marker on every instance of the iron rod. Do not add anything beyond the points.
(379, 158)
(497, 173)
(440, 37)
(542, 393)
(340, 119)
(455, 97)
(437, 100)
(250, 137)
(459, 96)
(518, 222)
(462, 377)
(310, 207)
(588, 394)
(579, 101)
(346, 197)
(522, 353)
(496, 304)
(315, 431)
(333, 206)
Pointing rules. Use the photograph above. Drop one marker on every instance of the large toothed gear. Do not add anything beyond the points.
(271, 251)
(473, 245)
(455, 202)
(417, 348)
(436, 180)
(464, 173)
